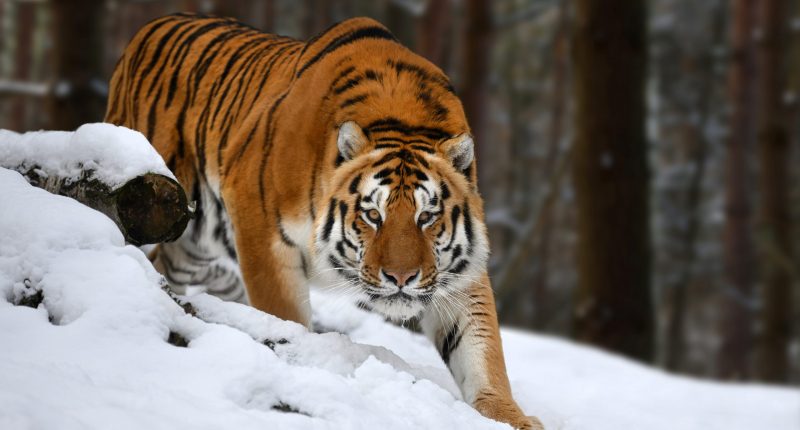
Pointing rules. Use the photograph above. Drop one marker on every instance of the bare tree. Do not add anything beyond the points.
(738, 257)
(561, 72)
(318, 16)
(433, 28)
(774, 216)
(613, 304)
(478, 37)
(78, 97)
(268, 16)
(23, 58)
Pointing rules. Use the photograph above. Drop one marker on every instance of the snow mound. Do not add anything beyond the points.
(113, 154)
(96, 350)
(107, 348)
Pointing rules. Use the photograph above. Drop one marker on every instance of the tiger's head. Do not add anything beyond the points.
(403, 229)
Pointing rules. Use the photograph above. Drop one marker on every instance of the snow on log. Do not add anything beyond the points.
(112, 169)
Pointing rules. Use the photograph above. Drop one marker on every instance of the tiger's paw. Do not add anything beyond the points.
(506, 411)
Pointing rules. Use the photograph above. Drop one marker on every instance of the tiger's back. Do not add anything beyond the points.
(189, 82)
(285, 145)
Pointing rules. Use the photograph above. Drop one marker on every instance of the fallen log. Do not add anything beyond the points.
(111, 169)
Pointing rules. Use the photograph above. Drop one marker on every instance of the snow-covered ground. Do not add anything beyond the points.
(94, 354)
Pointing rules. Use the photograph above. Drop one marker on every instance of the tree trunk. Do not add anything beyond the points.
(555, 136)
(240, 10)
(78, 46)
(478, 40)
(774, 217)
(318, 16)
(613, 303)
(148, 209)
(432, 31)
(401, 22)
(26, 14)
(268, 16)
(738, 257)
(698, 67)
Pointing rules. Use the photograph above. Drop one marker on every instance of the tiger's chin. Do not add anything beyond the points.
(398, 306)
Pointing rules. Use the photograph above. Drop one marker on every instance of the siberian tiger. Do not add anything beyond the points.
(346, 155)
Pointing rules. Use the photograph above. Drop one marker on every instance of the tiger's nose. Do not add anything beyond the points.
(400, 278)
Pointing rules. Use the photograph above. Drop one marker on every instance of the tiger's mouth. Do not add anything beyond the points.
(399, 303)
(380, 291)
(424, 297)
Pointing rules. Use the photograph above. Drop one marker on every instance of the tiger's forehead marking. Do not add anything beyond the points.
(403, 172)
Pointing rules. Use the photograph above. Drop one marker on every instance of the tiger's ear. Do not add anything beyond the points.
(351, 140)
(460, 150)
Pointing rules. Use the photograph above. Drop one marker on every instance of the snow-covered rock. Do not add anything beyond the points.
(95, 354)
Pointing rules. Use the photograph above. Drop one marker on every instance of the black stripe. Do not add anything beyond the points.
(169, 54)
(354, 184)
(138, 56)
(268, 145)
(394, 124)
(450, 343)
(372, 75)
(304, 264)
(266, 72)
(362, 33)
(349, 84)
(423, 149)
(468, 228)
(454, 220)
(445, 191)
(353, 100)
(420, 175)
(156, 56)
(401, 66)
(328, 227)
(403, 140)
(151, 117)
(342, 75)
(460, 267)
(223, 77)
(383, 173)
(284, 237)
(240, 153)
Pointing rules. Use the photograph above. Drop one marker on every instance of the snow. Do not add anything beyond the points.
(95, 354)
(114, 154)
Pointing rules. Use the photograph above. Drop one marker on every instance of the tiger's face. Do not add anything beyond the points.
(400, 232)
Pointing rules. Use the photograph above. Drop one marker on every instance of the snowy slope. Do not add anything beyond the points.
(95, 354)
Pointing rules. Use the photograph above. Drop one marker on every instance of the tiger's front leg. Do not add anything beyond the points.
(467, 336)
(272, 268)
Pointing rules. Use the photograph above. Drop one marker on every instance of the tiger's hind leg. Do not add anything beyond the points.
(184, 266)
(204, 255)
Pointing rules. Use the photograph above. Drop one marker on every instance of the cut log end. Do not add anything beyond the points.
(152, 208)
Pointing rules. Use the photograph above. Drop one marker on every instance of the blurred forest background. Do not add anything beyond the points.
(639, 159)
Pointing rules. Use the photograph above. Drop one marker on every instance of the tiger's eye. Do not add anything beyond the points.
(424, 217)
(374, 216)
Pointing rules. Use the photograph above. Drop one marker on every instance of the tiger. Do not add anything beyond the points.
(345, 159)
